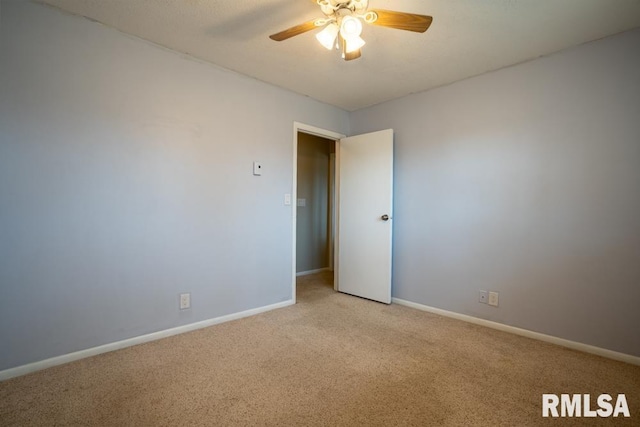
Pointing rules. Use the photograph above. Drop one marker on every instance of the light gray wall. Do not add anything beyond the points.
(312, 222)
(525, 181)
(126, 178)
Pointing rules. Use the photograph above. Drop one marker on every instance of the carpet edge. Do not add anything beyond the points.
(574, 345)
(117, 345)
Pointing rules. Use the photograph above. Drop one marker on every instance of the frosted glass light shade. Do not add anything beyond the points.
(327, 37)
(353, 44)
(350, 27)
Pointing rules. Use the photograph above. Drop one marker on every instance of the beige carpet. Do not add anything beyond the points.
(331, 359)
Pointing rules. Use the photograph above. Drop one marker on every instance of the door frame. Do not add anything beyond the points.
(323, 133)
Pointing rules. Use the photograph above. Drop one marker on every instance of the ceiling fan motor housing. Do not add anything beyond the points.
(330, 7)
(338, 3)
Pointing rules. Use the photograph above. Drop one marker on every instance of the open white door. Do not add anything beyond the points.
(365, 202)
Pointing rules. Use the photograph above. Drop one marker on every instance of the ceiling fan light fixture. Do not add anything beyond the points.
(353, 44)
(345, 18)
(327, 37)
(350, 27)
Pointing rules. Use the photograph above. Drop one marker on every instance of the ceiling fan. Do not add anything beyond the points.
(343, 25)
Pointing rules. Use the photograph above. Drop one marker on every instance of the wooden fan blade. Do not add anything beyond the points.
(349, 56)
(294, 31)
(353, 55)
(402, 20)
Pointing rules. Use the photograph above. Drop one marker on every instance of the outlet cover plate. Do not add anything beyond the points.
(185, 301)
(493, 299)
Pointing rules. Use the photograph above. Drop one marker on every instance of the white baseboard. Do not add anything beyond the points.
(610, 354)
(306, 273)
(66, 358)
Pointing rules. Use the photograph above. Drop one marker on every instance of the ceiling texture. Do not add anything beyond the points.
(467, 38)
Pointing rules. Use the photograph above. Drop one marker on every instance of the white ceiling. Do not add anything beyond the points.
(467, 38)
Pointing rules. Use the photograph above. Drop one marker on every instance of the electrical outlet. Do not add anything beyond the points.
(185, 301)
(493, 299)
(483, 297)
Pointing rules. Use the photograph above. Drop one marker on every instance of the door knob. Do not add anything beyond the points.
(385, 217)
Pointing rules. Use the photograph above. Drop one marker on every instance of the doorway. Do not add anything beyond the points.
(314, 204)
(363, 183)
(313, 201)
